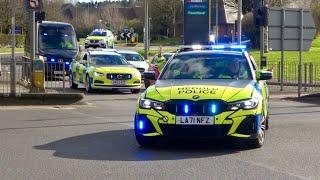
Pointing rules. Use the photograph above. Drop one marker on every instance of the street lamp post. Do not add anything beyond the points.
(146, 28)
(239, 20)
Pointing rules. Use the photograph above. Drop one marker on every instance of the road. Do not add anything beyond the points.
(96, 141)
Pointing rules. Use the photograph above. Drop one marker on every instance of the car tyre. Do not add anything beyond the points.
(259, 141)
(71, 82)
(88, 85)
(135, 91)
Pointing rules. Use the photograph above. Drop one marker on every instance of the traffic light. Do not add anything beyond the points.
(260, 13)
(40, 16)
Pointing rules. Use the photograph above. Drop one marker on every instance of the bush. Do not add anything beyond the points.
(6, 40)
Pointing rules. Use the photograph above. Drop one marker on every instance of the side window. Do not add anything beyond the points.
(85, 57)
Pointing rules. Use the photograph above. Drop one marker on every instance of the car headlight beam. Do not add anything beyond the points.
(148, 104)
(247, 104)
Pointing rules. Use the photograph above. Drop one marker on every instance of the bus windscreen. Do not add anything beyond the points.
(57, 37)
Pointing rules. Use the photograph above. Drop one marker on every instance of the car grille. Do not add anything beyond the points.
(198, 108)
(94, 41)
(119, 76)
(195, 131)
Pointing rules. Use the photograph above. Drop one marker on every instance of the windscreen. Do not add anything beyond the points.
(207, 66)
(132, 57)
(98, 33)
(108, 60)
(57, 37)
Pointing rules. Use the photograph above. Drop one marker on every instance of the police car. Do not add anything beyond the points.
(205, 92)
(102, 38)
(103, 69)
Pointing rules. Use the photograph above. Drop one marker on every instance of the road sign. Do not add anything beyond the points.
(291, 29)
(33, 5)
(196, 22)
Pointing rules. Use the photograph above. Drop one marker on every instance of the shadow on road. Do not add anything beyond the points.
(120, 145)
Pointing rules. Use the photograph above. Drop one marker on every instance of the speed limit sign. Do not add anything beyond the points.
(33, 5)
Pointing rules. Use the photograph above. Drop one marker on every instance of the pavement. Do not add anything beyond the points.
(96, 141)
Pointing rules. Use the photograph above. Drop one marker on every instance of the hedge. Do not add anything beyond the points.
(5, 40)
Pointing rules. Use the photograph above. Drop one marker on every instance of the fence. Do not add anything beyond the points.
(23, 74)
(56, 78)
(310, 77)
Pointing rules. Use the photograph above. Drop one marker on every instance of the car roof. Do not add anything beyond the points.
(127, 52)
(103, 53)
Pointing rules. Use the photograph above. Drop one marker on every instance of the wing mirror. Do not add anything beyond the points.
(263, 75)
(149, 75)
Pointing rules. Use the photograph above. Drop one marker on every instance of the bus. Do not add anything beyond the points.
(56, 44)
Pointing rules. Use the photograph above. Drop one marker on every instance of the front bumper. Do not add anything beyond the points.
(225, 125)
(100, 44)
(104, 83)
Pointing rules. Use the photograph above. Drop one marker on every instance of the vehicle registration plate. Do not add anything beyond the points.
(194, 120)
(59, 72)
(118, 82)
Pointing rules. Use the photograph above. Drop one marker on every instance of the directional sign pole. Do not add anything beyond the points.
(13, 62)
(300, 53)
(282, 48)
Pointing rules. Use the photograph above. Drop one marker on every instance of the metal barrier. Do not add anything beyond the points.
(310, 77)
(56, 77)
(23, 74)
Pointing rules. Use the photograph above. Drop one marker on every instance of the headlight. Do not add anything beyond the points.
(148, 104)
(248, 104)
(86, 40)
(98, 74)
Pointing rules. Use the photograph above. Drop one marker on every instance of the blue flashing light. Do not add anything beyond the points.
(45, 34)
(217, 46)
(67, 63)
(213, 108)
(66, 35)
(52, 59)
(186, 109)
(238, 47)
(141, 125)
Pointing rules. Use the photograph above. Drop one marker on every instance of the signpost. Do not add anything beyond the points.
(290, 30)
(33, 6)
(196, 22)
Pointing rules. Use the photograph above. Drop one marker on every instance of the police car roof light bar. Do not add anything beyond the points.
(213, 47)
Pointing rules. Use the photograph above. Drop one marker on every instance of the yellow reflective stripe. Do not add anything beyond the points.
(242, 112)
(220, 118)
(151, 134)
(154, 121)
(236, 122)
(240, 135)
(227, 122)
